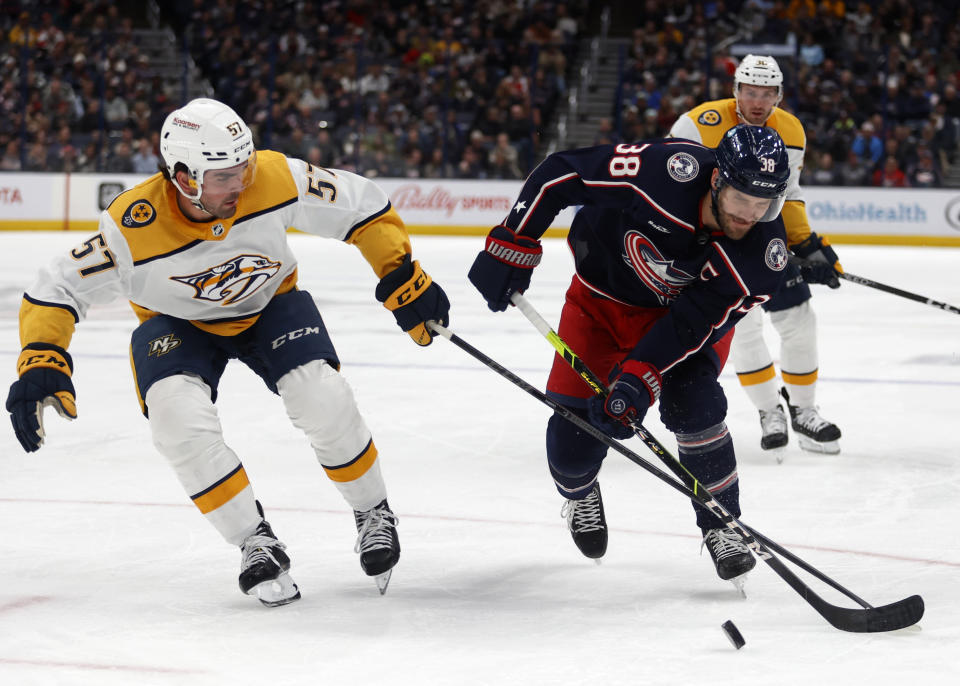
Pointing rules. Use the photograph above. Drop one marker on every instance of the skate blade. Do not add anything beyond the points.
(777, 453)
(383, 580)
(739, 582)
(812, 446)
(276, 592)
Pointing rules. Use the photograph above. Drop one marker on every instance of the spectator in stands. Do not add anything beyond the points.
(867, 145)
(115, 108)
(924, 174)
(503, 160)
(854, 172)
(890, 175)
(23, 33)
(824, 173)
(36, 157)
(121, 161)
(11, 157)
(145, 160)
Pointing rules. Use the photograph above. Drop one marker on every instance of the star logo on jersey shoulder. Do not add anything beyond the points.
(520, 206)
(709, 118)
(139, 213)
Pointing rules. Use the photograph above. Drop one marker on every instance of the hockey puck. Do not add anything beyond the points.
(733, 633)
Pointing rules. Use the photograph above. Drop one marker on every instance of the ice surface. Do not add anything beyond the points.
(108, 575)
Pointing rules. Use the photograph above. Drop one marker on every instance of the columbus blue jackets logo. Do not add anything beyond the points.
(656, 272)
(232, 281)
(683, 166)
(777, 255)
(140, 213)
(709, 118)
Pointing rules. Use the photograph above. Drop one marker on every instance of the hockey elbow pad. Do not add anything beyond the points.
(414, 299)
(44, 370)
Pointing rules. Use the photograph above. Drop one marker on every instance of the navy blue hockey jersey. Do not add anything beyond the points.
(639, 239)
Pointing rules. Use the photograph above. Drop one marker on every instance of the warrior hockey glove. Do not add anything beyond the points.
(635, 387)
(504, 266)
(821, 264)
(44, 371)
(414, 299)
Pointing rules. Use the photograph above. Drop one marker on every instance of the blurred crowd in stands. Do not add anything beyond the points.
(874, 83)
(461, 89)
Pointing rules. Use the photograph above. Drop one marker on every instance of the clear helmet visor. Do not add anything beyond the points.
(230, 180)
(750, 207)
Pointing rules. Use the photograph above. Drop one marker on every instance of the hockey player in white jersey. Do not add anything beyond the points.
(757, 90)
(200, 251)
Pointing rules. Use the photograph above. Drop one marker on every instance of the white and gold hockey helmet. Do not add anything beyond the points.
(206, 135)
(758, 70)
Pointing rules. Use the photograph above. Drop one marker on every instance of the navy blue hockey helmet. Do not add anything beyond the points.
(753, 159)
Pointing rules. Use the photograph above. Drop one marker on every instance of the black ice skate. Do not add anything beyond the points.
(730, 555)
(264, 567)
(377, 543)
(587, 523)
(814, 433)
(773, 431)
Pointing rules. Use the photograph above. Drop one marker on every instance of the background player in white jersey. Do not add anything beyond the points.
(200, 251)
(757, 90)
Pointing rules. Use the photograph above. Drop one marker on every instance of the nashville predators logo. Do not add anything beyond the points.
(709, 118)
(139, 214)
(163, 345)
(232, 281)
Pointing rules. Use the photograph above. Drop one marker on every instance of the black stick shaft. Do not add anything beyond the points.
(863, 281)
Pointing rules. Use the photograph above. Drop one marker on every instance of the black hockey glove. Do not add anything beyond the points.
(820, 261)
(504, 266)
(414, 299)
(635, 387)
(44, 371)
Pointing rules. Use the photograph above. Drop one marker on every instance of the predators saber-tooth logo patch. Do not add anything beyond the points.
(140, 213)
(232, 281)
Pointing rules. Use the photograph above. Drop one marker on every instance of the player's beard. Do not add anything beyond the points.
(224, 210)
(731, 230)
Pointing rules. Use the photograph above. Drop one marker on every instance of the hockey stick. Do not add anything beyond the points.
(658, 449)
(864, 281)
(890, 617)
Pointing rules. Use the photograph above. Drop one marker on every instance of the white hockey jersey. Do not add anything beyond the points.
(219, 274)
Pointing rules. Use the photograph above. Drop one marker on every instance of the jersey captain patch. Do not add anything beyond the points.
(233, 280)
(683, 166)
(140, 213)
(709, 118)
(776, 255)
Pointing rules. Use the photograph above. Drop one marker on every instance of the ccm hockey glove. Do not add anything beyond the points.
(822, 265)
(414, 299)
(635, 387)
(44, 371)
(504, 266)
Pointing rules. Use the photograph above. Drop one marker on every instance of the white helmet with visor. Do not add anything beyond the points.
(758, 70)
(206, 135)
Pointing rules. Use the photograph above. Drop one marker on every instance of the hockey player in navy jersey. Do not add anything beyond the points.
(674, 243)
(200, 251)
